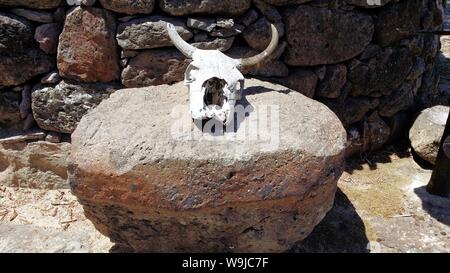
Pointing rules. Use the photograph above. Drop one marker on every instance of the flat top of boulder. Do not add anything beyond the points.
(135, 127)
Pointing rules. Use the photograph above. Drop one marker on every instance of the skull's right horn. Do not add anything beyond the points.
(179, 43)
(251, 61)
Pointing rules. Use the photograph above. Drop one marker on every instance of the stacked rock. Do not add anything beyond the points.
(363, 59)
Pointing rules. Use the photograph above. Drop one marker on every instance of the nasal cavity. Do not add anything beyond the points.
(214, 94)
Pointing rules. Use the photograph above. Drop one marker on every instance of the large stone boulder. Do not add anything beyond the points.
(87, 48)
(426, 133)
(40, 164)
(59, 108)
(315, 35)
(147, 176)
(210, 7)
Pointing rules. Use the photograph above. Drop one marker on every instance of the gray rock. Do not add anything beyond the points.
(18, 68)
(51, 77)
(61, 107)
(259, 34)
(315, 35)
(267, 10)
(401, 98)
(47, 36)
(139, 178)
(53, 137)
(351, 110)
(228, 32)
(285, 2)
(221, 44)
(206, 24)
(16, 34)
(80, 2)
(203, 7)
(25, 102)
(333, 81)
(155, 66)
(149, 32)
(382, 73)
(248, 18)
(129, 6)
(34, 15)
(398, 21)
(426, 133)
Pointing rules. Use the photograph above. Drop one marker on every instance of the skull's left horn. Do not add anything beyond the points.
(179, 43)
(251, 61)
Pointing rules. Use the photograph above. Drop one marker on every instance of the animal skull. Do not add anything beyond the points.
(214, 80)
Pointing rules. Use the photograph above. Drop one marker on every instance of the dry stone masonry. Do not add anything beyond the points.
(362, 58)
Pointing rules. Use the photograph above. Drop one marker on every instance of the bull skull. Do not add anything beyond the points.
(214, 80)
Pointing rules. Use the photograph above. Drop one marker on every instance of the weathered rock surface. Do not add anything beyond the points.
(149, 32)
(285, 2)
(300, 80)
(16, 34)
(334, 80)
(315, 35)
(34, 4)
(382, 73)
(61, 107)
(87, 48)
(34, 15)
(398, 21)
(188, 7)
(34, 165)
(259, 34)
(140, 178)
(47, 35)
(426, 133)
(155, 66)
(20, 67)
(129, 6)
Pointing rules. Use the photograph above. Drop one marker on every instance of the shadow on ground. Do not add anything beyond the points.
(436, 206)
(341, 231)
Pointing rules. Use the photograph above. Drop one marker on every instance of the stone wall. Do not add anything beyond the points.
(366, 62)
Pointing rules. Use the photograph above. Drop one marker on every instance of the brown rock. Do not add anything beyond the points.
(153, 67)
(259, 34)
(323, 36)
(87, 49)
(129, 6)
(137, 180)
(39, 165)
(9, 107)
(351, 110)
(210, 7)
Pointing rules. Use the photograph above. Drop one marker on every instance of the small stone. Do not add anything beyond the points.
(268, 11)
(206, 24)
(228, 32)
(51, 77)
(53, 137)
(225, 22)
(333, 81)
(34, 15)
(47, 36)
(80, 2)
(221, 44)
(427, 131)
(29, 122)
(32, 135)
(248, 18)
